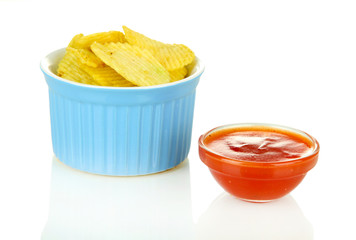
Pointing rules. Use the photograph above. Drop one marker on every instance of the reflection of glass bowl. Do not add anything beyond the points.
(228, 219)
(258, 181)
(91, 207)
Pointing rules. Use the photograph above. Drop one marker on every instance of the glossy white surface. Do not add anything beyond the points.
(290, 63)
(88, 206)
(159, 206)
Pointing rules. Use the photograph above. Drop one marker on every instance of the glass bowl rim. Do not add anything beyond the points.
(221, 158)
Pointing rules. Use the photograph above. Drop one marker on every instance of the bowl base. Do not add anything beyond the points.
(256, 201)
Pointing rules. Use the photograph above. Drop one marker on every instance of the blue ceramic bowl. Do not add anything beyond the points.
(120, 131)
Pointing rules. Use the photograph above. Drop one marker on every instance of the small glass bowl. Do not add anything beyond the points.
(258, 181)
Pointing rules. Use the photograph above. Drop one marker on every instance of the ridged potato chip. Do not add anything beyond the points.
(133, 63)
(102, 37)
(72, 67)
(171, 56)
(75, 39)
(140, 40)
(106, 76)
(69, 68)
(86, 57)
(178, 74)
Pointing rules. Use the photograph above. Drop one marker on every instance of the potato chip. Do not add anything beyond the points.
(75, 39)
(86, 57)
(171, 56)
(134, 64)
(140, 40)
(178, 74)
(102, 37)
(69, 68)
(72, 67)
(106, 76)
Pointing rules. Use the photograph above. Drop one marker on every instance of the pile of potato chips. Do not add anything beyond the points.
(123, 60)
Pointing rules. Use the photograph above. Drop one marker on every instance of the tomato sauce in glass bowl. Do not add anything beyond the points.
(258, 162)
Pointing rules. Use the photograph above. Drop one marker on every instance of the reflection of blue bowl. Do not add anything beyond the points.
(92, 207)
(120, 131)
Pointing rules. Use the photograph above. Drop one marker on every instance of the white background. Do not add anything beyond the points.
(285, 62)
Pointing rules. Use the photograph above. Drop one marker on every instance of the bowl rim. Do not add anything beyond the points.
(47, 61)
(246, 163)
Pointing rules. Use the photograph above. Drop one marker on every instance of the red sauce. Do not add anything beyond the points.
(258, 145)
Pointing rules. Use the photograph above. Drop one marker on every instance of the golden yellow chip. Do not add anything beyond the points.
(72, 68)
(106, 76)
(69, 68)
(102, 37)
(178, 74)
(86, 57)
(171, 56)
(140, 40)
(134, 64)
(75, 39)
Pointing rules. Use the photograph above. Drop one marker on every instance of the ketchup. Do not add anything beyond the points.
(258, 145)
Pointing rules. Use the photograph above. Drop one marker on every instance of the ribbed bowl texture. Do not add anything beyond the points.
(120, 131)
